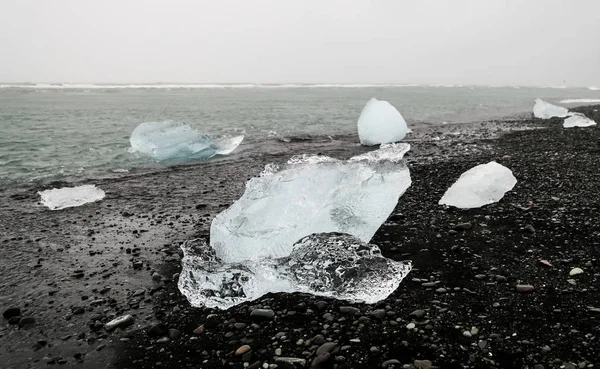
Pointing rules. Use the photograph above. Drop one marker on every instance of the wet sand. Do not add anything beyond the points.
(74, 270)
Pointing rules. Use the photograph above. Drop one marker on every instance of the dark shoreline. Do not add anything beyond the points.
(78, 259)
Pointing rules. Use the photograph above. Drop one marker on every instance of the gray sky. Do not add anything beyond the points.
(525, 42)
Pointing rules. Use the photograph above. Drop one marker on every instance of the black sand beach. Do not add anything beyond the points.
(65, 274)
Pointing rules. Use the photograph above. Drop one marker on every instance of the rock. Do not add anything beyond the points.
(174, 334)
(163, 340)
(349, 310)
(26, 322)
(11, 312)
(417, 314)
(320, 361)
(318, 340)
(242, 350)
(122, 321)
(292, 362)
(575, 271)
(379, 313)
(482, 344)
(14, 320)
(199, 330)
(77, 310)
(158, 330)
(264, 314)
(410, 326)
(525, 288)
(441, 290)
(423, 364)
(545, 262)
(529, 228)
(325, 348)
(392, 362)
(463, 226)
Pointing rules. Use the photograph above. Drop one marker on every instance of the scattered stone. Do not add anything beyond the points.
(441, 290)
(423, 364)
(199, 330)
(266, 314)
(122, 321)
(545, 262)
(318, 339)
(525, 288)
(417, 314)
(291, 361)
(157, 330)
(163, 340)
(26, 322)
(392, 362)
(575, 271)
(379, 314)
(325, 348)
(463, 226)
(174, 334)
(349, 310)
(242, 350)
(320, 361)
(529, 228)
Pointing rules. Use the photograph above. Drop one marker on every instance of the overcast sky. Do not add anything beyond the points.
(524, 42)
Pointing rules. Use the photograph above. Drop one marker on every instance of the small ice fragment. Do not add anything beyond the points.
(311, 194)
(66, 197)
(545, 110)
(335, 265)
(481, 185)
(177, 141)
(380, 122)
(578, 120)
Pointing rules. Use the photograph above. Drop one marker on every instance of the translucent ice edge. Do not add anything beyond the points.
(66, 197)
(333, 265)
(578, 120)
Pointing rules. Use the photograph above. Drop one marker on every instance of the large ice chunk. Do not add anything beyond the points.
(481, 185)
(545, 110)
(311, 194)
(66, 197)
(380, 122)
(578, 120)
(177, 141)
(326, 264)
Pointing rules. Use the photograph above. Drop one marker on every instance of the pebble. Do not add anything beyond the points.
(292, 361)
(318, 339)
(379, 314)
(525, 288)
(349, 310)
(410, 326)
(325, 348)
(441, 290)
(157, 330)
(417, 314)
(463, 226)
(26, 321)
(242, 350)
(428, 284)
(389, 363)
(423, 364)
(174, 334)
(575, 271)
(266, 314)
(529, 228)
(199, 330)
(121, 321)
(278, 351)
(163, 340)
(320, 361)
(545, 262)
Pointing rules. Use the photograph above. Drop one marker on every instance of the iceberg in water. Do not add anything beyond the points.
(380, 122)
(302, 227)
(177, 141)
(335, 265)
(311, 194)
(545, 110)
(67, 197)
(578, 120)
(481, 185)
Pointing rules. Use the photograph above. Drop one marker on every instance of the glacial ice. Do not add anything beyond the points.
(311, 194)
(67, 197)
(545, 110)
(302, 227)
(335, 265)
(481, 185)
(578, 120)
(380, 122)
(177, 141)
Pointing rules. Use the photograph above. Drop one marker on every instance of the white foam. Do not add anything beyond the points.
(594, 88)
(67, 197)
(575, 101)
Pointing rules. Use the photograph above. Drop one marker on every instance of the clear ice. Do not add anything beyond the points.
(335, 265)
(578, 120)
(302, 227)
(311, 194)
(380, 122)
(545, 110)
(481, 185)
(67, 197)
(177, 141)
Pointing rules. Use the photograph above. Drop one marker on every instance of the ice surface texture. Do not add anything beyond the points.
(481, 185)
(278, 236)
(578, 120)
(177, 141)
(379, 123)
(325, 264)
(545, 110)
(66, 197)
(311, 194)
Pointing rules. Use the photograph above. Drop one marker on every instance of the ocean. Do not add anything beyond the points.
(53, 131)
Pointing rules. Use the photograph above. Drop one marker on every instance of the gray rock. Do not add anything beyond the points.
(417, 314)
(174, 334)
(291, 361)
(318, 340)
(423, 364)
(525, 288)
(349, 310)
(122, 321)
(390, 363)
(379, 313)
(265, 314)
(157, 330)
(325, 348)
(463, 226)
(26, 322)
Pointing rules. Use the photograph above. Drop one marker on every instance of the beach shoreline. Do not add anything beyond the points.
(75, 270)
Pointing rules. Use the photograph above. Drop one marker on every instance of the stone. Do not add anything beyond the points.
(26, 322)
(379, 313)
(174, 334)
(318, 339)
(325, 348)
(264, 314)
(242, 350)
(463, 226)
(575, 271)
(122, 321)
(199, 330)
(417, 314)
(525, 288)
(11, 312)
(291, 361)
(349, 310)
(320, 361)
(392, 362)
(157, 330)
(423, 364)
